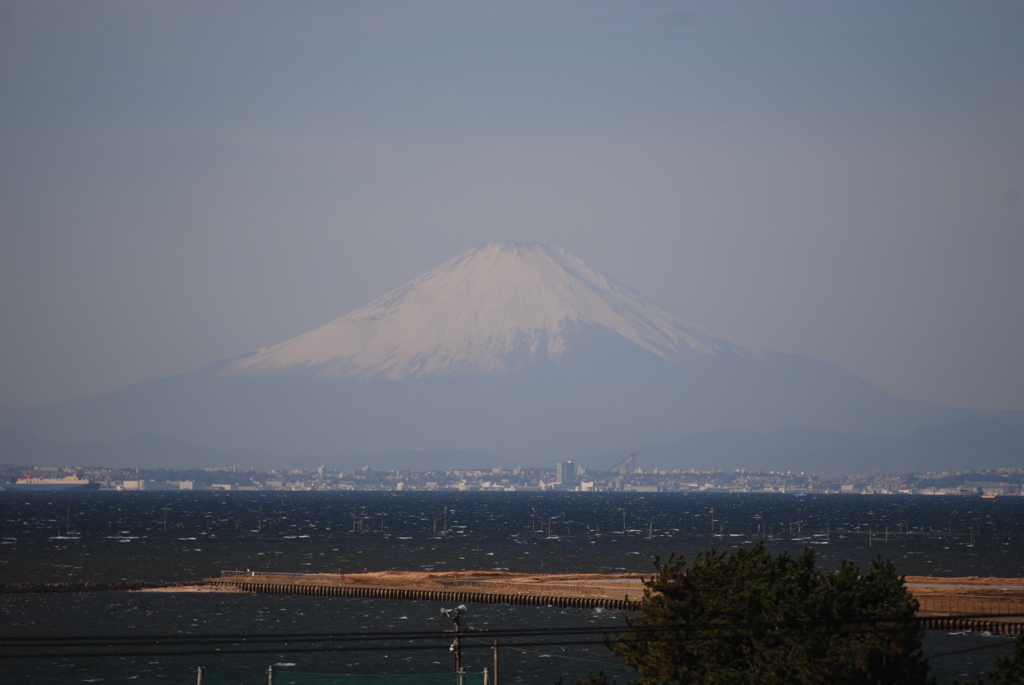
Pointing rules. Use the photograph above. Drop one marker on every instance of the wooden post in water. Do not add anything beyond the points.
(199, 676)
(270, 674)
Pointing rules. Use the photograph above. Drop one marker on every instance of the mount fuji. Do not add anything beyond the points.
(516, 350)
(493, 309)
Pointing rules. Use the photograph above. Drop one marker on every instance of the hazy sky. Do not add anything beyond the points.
(185, 182)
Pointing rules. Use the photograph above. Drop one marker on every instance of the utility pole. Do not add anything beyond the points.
(495, 670)
(456, 616)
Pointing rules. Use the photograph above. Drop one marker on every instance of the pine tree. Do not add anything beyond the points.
(748, 617)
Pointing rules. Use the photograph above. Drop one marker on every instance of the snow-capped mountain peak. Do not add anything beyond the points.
(474, 312)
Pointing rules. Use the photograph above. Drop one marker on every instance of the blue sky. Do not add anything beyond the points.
(184, 182)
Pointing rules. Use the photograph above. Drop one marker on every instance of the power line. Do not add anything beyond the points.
(126, 640)
(407, 647)
(939, 655)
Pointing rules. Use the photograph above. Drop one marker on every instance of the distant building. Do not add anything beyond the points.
(565, 473)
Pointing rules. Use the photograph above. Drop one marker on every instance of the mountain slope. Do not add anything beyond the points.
(488, 310)
(968, 444)
(515, 350)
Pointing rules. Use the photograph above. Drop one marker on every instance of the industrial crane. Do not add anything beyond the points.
(622, 468)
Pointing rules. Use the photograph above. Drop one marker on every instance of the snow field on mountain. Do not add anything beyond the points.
(472, 313)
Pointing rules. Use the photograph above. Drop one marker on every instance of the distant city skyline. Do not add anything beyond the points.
(184, 183)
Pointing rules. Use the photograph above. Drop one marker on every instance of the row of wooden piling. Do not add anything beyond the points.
(1008, 627)
(451, 596)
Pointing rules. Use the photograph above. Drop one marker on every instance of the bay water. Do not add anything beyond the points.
(187, 536)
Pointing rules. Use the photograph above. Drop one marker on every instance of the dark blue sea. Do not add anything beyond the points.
(112, 536)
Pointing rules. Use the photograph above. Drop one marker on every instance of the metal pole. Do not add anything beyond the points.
(487, 680)
(270, 674)
(458, 642)
(495, 670)
(199, 676)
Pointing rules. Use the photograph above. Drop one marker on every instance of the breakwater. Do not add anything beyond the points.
(938, 612)
(432, 595)
(112, 586)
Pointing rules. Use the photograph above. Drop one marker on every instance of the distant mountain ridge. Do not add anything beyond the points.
(970, 444)
(516, 350)
(157, 451)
